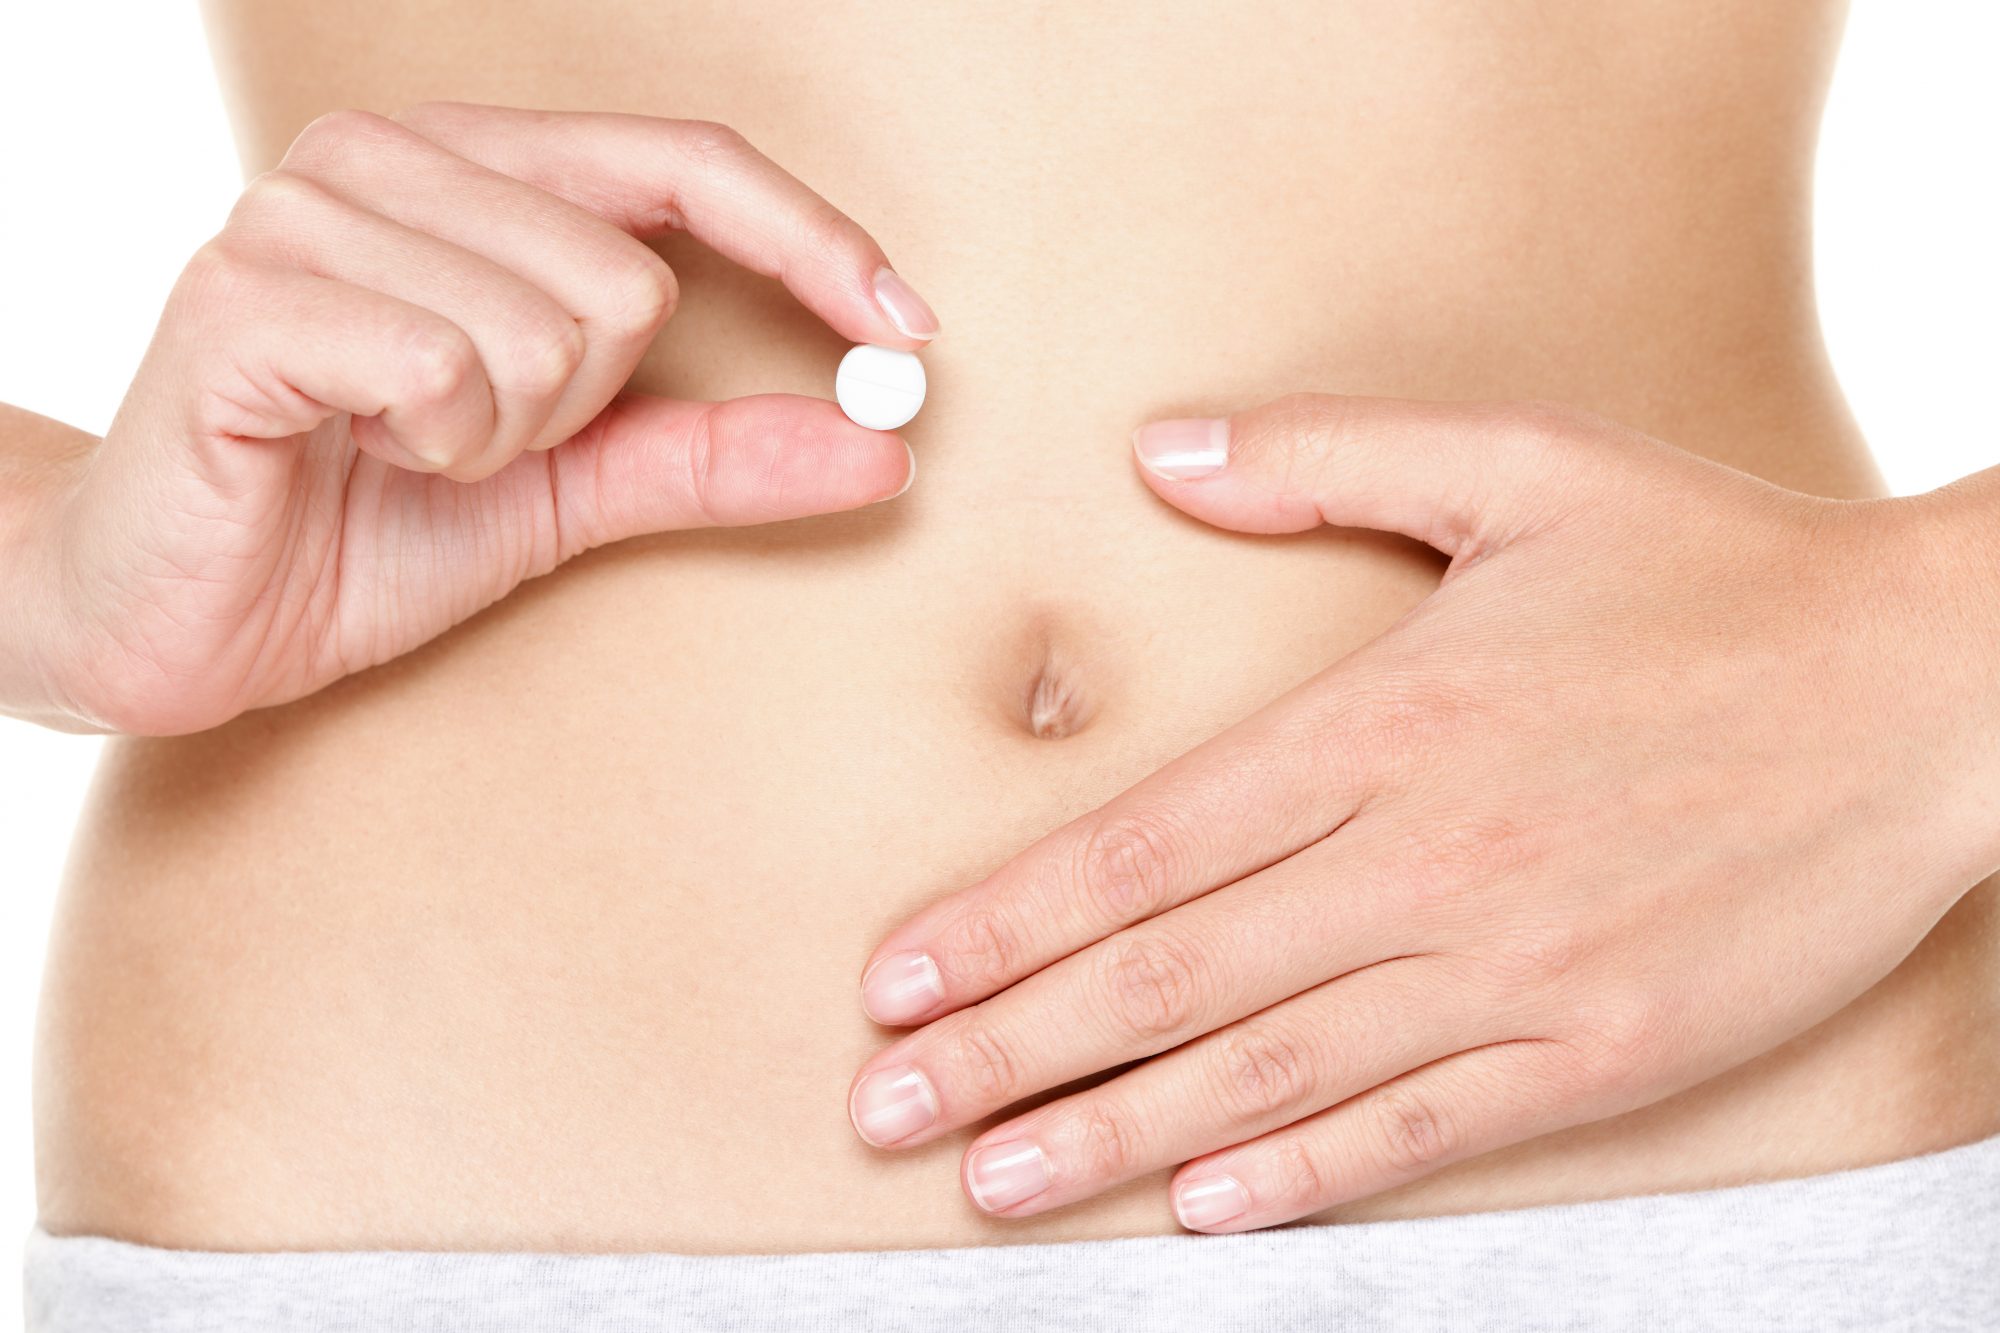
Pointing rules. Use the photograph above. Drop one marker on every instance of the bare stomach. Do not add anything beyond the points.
(548, 936)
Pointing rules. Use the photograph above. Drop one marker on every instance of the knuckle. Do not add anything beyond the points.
(1533, 956)
(1543, 453)
(1107, 1144)
(700, 460)
(1264, 1073)
(826, 232)
(1539, 423)
(1620, 1041)
(1408, 717)
(1446, 859)
(212, 279)
(543, 361)
(709, 143)
(983, 1065)
(438, 362)
(1151, 986)
(277, 200)
(1413, 1134)
(1307, 427)
(1125, 867)
(1297, 1179)
(1302, 415)
(646, 294)
(1541, 438)
(337, 134)
(982, 947)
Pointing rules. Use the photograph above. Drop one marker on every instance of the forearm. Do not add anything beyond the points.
(39, 461)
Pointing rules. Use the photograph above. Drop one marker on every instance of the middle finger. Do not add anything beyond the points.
(1316, 915)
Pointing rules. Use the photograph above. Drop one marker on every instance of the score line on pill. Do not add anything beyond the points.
(879, 387)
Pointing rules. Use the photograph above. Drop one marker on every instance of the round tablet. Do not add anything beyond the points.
(879, 387)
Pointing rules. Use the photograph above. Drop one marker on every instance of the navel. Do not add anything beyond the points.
(1057, 705)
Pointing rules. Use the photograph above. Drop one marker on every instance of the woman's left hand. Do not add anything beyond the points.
(1673, 765)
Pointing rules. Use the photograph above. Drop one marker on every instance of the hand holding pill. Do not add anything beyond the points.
(411, 344)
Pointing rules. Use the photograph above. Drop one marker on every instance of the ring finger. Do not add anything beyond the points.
(1476, 1100)
(1234, 1084)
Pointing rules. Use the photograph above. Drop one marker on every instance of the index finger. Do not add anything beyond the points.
(649, 176)
(1267, 788)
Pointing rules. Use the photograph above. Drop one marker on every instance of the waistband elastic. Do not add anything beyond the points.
(1908, 1244)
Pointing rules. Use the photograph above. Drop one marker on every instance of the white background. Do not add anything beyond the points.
(115, 163)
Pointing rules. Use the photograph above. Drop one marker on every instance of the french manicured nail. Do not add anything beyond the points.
(909, 481)
(909, 312)
(1001, 1175)
(891, 1104)
(1209, 1201)
(1183, 450)
(903, 985)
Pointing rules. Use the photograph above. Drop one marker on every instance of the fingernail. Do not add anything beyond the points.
(903, 985)
(1001, 1175)
(910, 314)
(1183, 450)
(909, 481)
(1209, 1201)
(891, 1104)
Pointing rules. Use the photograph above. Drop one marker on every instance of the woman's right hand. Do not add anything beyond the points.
(389, 391)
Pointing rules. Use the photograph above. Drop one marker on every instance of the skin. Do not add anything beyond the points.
(543, 935)
(1512, 867)
(402, 344)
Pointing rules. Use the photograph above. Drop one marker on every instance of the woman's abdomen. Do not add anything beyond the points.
(548, 935)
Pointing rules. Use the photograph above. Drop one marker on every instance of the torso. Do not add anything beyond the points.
(548, 935)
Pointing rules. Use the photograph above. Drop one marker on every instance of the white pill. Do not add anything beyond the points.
(879, 387)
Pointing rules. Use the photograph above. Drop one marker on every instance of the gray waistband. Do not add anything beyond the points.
(1910, 1244)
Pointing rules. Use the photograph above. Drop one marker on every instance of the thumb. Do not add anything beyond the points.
(1465, 478)
(658, 464)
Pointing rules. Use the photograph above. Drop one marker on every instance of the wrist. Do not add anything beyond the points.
(39, 463)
